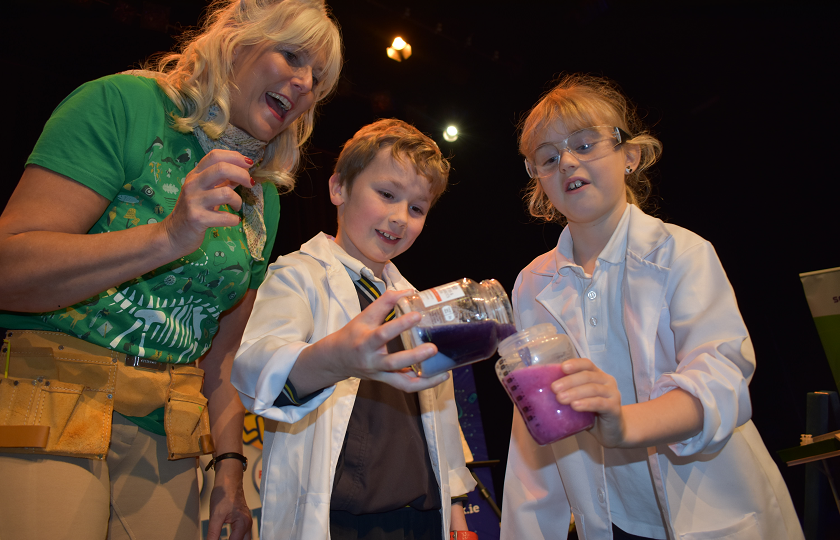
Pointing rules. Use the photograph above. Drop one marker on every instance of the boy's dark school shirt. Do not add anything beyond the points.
(384, 463)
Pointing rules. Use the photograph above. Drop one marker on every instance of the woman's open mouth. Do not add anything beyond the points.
(278, 104)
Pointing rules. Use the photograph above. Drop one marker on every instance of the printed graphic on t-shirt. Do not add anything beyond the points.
(171, 313)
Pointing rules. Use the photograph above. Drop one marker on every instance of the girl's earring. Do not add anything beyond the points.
(628, 170)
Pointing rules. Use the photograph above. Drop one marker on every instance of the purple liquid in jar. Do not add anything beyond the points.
(465, 343)
(547, 420)
(461, 344)
(504, 331)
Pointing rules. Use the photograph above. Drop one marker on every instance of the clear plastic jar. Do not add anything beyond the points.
(465, 319)
(531, 360)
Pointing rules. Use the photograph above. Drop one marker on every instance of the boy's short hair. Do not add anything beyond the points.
(406, 141)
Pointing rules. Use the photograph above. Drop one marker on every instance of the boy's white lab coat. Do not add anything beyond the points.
(684, 330)
(306, 296)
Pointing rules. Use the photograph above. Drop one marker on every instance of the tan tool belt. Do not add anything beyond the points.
(58, 394)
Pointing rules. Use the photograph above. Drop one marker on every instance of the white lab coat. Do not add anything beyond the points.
(685, 331)
(306, 296)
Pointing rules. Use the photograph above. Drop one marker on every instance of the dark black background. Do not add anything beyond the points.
(741, 93)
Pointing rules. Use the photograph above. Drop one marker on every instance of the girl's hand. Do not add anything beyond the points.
(587, 388)
(208, 186)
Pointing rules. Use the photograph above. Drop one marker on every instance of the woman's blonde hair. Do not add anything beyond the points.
(581, 101)
(200, 75)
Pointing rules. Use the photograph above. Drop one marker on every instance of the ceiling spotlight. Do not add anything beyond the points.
(450, 134)
(399, 50)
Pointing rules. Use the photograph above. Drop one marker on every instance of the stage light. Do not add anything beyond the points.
(399, 50)
(450, 134)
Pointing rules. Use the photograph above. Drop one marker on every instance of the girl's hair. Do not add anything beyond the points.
(581, 101)
(405, 141)
(200, 75)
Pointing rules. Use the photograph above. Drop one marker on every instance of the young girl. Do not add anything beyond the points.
(665, 358)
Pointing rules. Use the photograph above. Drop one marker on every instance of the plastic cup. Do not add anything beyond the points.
(531, 361)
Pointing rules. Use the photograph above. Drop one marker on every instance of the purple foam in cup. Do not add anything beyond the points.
(547, 420)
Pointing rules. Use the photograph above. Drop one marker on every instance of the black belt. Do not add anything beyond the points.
(144, 363)
(130, 359)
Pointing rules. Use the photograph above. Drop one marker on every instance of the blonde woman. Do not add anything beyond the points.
(101, 404)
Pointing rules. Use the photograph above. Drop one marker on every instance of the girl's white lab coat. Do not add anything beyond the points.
(685, 331)
(306, 296)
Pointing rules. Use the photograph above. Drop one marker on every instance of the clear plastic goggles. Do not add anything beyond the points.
(586, 144)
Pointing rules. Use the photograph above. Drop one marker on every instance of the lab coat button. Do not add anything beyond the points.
(591, 295)
(593, 321)
(601, 496)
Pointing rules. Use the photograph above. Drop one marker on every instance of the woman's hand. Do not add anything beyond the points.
(50, 262)
(208, 186)
(227, 502)
(587, 388)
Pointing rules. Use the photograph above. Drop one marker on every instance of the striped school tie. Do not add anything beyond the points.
(371, 292)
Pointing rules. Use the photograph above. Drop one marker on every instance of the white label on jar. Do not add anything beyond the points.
(441, 294)
(448, 314)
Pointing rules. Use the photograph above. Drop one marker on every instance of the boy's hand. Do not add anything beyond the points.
(359, 349)
(587, 388)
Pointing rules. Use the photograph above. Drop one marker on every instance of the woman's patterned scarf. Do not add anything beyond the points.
(253, 203)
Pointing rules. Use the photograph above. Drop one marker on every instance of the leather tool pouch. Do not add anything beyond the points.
(69, 391)
(186, 420)
(61, 392)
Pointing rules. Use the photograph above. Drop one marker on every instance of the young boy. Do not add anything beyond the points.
(355, 453)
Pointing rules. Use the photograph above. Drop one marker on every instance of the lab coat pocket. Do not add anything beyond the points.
(746, 529)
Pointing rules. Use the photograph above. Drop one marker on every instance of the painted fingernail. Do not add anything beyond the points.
(249, 161)
(253, 182)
